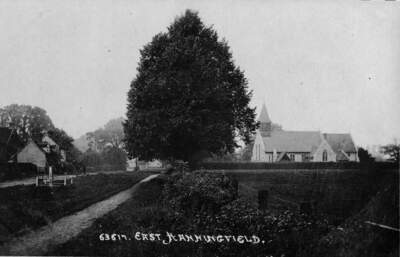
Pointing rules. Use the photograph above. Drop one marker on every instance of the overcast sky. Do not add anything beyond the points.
(332, 66)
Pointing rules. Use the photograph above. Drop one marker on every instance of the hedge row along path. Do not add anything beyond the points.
(46, 238)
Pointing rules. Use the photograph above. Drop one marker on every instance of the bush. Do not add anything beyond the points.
(198, 192)
(204, 203)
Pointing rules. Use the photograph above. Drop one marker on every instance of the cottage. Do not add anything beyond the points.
(32, 153)
(272, 144)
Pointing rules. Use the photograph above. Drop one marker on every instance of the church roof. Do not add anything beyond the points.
(342, 156)
(340, 142)
(292, 141)
(264, 117)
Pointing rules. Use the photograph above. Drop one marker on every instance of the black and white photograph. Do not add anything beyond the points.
(178, 128)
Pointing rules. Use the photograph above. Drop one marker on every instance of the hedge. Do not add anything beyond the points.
(292, 165)
(10, 171)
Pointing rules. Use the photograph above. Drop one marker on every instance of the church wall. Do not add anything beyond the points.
(269, 157)
(258, 154)
(353, 157)
(317, 157)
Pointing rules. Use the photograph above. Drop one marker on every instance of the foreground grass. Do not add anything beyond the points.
(146, 214)
(142, 213)
(24, 208)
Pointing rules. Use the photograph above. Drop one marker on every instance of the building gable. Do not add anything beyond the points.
(31, 153)
(258, 153)
(324, 149)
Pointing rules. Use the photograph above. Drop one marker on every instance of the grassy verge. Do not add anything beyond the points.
(24, 208)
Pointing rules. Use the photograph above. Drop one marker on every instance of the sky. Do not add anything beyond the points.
(331, 66)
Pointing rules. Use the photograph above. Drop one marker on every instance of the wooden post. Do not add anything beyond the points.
(50, 176)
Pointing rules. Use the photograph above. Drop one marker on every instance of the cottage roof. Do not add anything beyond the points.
(49, 140)
(31, 143)
(264, 117)
(292, 141)
(340, 142)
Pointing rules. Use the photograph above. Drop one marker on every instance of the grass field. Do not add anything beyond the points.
(24, 208)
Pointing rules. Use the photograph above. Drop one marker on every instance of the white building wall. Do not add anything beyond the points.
(297, 158)
(269, 157)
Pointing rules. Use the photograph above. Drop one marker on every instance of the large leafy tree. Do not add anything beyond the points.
(66, 143)
(33, 122)
(188, 96)
(27, 121)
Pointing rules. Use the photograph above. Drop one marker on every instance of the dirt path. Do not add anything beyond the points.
(27, 181)
(42, 240)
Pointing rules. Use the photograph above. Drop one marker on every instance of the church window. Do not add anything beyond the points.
(324, 156)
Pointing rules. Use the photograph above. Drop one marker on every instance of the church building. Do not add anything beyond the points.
(273, 144)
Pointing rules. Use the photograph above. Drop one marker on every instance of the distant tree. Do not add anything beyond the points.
(65, 142)
(27, 121)
(392, 150)
(247, 152)
(105, 146)
(33, 122)
(61, 138)
(112, 133)
(188, 96)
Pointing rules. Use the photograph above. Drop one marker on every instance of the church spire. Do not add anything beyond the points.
(265, 122)
(264, 117)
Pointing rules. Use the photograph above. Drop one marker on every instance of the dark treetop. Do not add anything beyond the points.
(188, 96)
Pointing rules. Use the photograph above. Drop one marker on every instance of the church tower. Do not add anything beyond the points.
(265, 122)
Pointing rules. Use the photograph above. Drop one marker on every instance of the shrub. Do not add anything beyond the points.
(207, 204)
